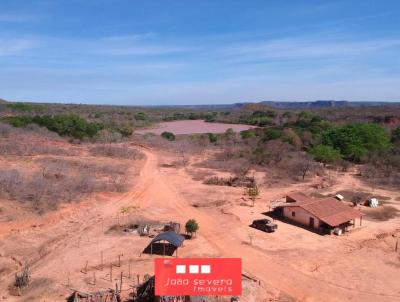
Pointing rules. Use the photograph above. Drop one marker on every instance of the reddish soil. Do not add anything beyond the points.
(292, 264)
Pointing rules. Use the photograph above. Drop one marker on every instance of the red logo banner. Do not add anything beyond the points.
(198, 277)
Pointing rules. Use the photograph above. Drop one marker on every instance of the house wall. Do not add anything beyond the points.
(302, 216)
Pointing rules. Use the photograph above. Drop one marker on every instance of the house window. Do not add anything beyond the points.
(293, 214)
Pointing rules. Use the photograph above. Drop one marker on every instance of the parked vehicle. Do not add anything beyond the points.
(265, 225)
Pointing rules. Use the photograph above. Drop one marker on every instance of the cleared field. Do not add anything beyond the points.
(191, 127)
(66, 247)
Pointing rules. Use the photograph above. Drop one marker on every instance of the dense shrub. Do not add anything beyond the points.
(207, 116)
(271, 134)
(211, 117)
(212, 137)
(140, 116)
(25, 107)
(260, 118)
(168, 135)
(125, 130)
(65, 125)
(229, 134)
(248, 134)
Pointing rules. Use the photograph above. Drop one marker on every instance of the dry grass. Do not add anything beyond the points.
(56, 171)
(350, 195)
(108, 150)
(235, 181)
(57, 180)
(383, 213)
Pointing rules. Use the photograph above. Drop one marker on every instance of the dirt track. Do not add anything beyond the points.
(66, 240)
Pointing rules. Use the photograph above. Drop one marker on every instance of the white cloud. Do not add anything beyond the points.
(303, 48)
(145, 68)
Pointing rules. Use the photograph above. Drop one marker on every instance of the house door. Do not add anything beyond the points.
(311, 222)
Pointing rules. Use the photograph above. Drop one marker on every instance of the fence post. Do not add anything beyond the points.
(120, 284)
(85, 268)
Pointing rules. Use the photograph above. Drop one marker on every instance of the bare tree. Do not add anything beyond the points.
(303, 166)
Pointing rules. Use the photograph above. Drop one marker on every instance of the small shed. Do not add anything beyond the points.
(373, 202)
(169, 242)
(339, 197)
(172, 226)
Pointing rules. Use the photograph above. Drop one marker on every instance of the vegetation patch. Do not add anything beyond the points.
(60, 180)
(65, 125)
(355, 141)
(383, 213)
(110, 150)
(168, 136)
(354, 195)
(235, 181)
(70, 125)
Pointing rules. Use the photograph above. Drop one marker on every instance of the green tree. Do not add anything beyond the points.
(253, 192)
(229, 134)
(191, 227)
(396, 135)
(325, 154)
(355, 141)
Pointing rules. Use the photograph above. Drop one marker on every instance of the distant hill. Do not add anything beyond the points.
(273, 104)
(284, 105)
(324, 104)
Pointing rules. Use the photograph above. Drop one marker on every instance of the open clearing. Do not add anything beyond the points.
(194, 126)
(64, 246)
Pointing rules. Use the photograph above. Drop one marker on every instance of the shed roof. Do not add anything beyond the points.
(297, 197)
(171, 237)
(329, 210)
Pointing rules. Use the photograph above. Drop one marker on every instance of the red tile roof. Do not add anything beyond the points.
(329, 210)
(297, 197)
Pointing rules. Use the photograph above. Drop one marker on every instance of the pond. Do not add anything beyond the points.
(192, 127)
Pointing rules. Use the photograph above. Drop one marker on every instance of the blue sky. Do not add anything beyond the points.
(140, 52)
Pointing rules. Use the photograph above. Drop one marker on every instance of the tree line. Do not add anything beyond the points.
(70, 125)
